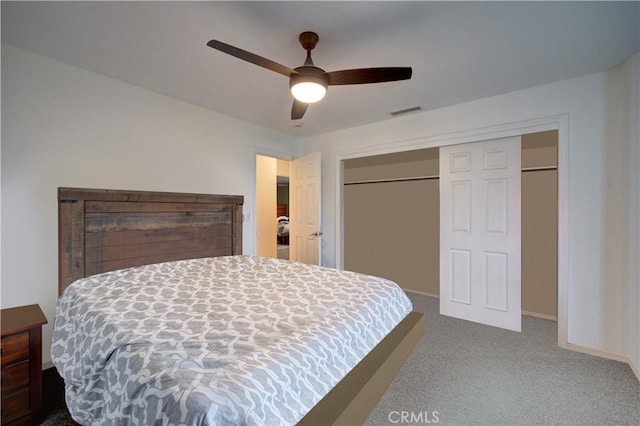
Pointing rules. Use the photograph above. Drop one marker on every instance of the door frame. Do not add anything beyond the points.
(555, 122)
(253, 209)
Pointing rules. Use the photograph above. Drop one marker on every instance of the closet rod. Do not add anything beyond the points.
(537, 169)
(363, 182)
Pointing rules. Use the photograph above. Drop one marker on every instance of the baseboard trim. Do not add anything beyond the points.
(541, 316)
(635, 369)
(607, 355)
(527, 313)
(598, 353)
(422, 293)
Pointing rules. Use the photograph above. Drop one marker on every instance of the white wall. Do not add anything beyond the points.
(633, 290)
(597, 168)
(63, 126)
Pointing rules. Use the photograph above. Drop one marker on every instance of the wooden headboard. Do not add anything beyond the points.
(101, 230)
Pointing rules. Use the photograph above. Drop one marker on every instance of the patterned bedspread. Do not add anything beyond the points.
(228, 340)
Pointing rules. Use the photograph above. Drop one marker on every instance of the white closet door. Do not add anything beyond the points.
(480, 232)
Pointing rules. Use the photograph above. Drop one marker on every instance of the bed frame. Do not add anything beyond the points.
(103, 230)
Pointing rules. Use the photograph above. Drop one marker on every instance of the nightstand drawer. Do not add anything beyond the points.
(15, 376)
(21, 421)
(15, 405)
(15, 348)
(21, 365)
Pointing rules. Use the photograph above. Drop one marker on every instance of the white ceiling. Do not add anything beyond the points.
(459, 51)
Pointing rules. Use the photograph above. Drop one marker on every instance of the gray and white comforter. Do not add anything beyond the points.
(228, 340)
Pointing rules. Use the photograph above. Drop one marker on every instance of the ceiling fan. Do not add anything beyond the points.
(309, 83)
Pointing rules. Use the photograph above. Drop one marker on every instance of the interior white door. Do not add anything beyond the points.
(480, 260)
(305, 236)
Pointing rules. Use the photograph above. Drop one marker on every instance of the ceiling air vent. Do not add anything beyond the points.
(406, 111)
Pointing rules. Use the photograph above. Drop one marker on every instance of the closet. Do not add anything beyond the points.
(391, 220)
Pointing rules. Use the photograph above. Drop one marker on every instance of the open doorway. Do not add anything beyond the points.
(391, 220)
(282, 208)
(303, 208)
(272, 207)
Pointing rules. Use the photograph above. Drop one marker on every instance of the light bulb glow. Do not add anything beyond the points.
(308, 91)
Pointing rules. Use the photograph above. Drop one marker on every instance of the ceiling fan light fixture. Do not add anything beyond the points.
(308, 91)
(309, 87)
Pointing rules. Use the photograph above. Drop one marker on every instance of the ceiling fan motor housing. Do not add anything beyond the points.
(309, 74)
(308, 40)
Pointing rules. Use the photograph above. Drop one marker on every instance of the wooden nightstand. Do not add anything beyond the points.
(21, 364)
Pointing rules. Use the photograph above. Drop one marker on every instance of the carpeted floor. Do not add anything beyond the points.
(469, 374)
(463, 373)
(283, 251)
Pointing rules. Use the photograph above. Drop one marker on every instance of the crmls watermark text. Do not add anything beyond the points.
(413, 417)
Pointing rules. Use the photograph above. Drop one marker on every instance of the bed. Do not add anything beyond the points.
(283, 229)
(109, 239)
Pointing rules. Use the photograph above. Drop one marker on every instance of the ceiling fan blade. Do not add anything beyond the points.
(298, 109)
(368, 75)
(251, 57)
